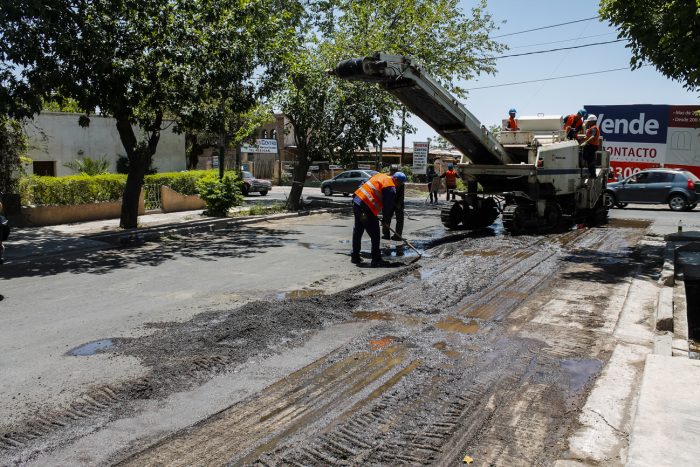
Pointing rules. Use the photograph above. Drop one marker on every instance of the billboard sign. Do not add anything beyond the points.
(420, 158)
(261, 146)
(645, 136)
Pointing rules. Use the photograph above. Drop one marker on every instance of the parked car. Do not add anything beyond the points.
(679, 189)
(254, 185)
(346, 182)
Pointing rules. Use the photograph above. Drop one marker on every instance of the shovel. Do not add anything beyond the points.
(406, 242)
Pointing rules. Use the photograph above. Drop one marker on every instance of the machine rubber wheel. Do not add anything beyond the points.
(677, 203)
(263, 193)
(552, 215)
(244, 190)
(452, 215)
(609, 200)
(513, 220)
(482, 217)
(327, 191)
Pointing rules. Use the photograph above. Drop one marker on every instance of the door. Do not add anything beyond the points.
(634, 188)
(658, 187)
(356, 179)
(340, 182)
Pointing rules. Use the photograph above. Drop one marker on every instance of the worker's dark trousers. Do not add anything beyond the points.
(399, 222)
(589, 158)
(365, 220)
(450, 191)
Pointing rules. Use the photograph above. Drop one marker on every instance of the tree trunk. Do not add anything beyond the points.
(140, 156)
(302, 167)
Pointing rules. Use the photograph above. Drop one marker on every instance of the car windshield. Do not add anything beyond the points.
(247, 174)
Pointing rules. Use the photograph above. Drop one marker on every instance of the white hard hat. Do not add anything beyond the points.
(592, 118)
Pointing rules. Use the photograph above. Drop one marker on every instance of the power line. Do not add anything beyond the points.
(553, 50)
(559, 42)
(545, 27)
(549, 79)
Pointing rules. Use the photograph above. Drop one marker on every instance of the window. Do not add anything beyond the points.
(273, 134)
(44, 168)
(664, 177)
(263, 134)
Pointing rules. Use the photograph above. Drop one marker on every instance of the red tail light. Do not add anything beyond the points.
(540, 163)
(691, 185)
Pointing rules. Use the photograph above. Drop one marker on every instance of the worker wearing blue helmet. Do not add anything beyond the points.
(512, 124)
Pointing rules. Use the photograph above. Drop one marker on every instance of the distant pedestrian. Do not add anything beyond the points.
(399, 208)
(4, 233)
(450, 177)
(433, 184)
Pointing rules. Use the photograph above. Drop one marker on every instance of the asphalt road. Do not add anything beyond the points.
(176, 289)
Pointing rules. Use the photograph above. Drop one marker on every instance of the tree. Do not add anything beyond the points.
(451, 44)
(665, 33)
(13, 147)
(141, 63)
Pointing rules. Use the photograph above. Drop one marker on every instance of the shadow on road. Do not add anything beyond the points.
(241, 243)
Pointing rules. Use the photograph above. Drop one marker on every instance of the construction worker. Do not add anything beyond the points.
(573, 123)
(450, 177)
(399, 210)
(512, 124)
(377, 195)
(591, 143)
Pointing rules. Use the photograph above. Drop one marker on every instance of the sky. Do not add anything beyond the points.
(562, 96)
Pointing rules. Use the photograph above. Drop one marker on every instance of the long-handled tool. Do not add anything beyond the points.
(406, 242)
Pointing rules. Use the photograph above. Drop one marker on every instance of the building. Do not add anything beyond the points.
(55, 139)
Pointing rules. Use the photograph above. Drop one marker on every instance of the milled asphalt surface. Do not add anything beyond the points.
(39, 245)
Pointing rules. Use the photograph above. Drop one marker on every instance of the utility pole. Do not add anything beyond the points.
(222, 140)
(403, 135)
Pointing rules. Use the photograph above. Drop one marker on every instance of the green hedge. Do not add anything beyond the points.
(83, 189)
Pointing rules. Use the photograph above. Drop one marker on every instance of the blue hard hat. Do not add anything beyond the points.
(512, 111)
(400, 177)
(582, 112)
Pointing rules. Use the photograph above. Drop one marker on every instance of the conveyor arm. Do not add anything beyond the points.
(426, 98)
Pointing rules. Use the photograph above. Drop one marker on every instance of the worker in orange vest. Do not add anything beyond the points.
(512, 124)
(450, 177)
(377, 195)
(573, 123)
(591, 143)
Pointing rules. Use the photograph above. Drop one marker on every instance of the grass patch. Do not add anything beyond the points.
(260, 210)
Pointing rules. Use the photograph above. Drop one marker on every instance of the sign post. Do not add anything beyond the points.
(420, 158)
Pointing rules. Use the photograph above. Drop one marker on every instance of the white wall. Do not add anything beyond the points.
(56, 136)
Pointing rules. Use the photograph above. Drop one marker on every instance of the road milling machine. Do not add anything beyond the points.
(535, 178)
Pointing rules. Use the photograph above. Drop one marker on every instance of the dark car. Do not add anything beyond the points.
(679, 189)
(254, 185)
(346, 182)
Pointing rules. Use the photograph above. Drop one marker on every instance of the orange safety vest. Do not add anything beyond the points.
(371, 191)
(595, 132)
(573, 121)
(450, 178)
(512, 124)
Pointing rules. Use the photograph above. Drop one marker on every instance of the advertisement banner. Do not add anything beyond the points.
(420, 158)
(262, 146)
(683, 143)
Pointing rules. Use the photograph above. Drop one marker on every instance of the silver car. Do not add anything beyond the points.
(679, 189)
(346, 182)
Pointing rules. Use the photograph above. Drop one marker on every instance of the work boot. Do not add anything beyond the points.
(396, 237)
(380, 263)
(355, 259)
(386, 236)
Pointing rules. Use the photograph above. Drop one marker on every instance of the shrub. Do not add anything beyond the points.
(220, 195)
(182, 182)
(89, 166)
(73, 189)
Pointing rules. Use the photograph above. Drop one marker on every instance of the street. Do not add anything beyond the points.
(264, 345)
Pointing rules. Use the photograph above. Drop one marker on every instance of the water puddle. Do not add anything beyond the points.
(442, 347)
(379, 344)
(302, 293)
(91, 348)
(453, 324)
(310, 246)
(629, 223)
(373, 315)
(581, 372)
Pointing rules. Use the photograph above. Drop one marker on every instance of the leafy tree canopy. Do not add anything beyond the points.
(663, 32)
